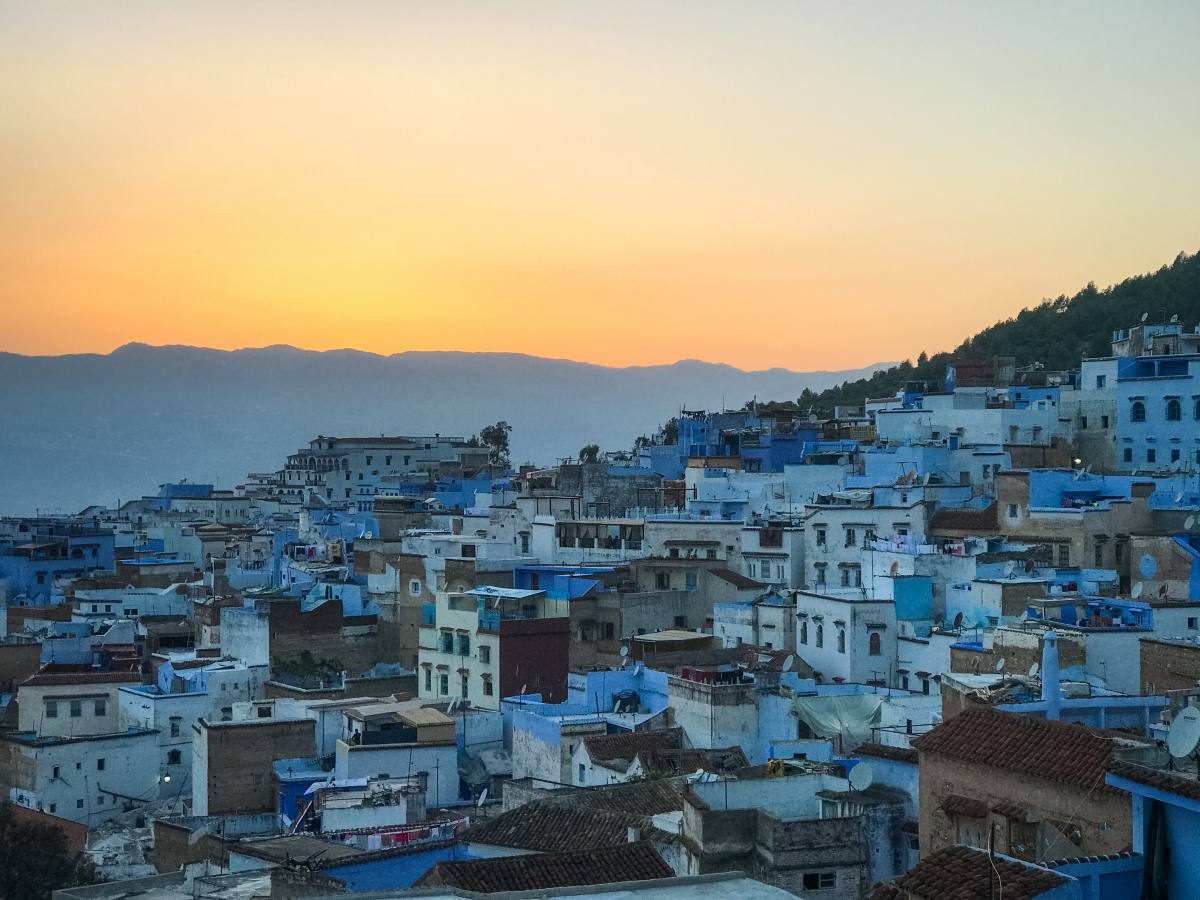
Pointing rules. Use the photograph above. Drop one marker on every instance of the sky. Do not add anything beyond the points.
(795, 184)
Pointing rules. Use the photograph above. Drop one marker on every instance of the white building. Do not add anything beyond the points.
(846, 639)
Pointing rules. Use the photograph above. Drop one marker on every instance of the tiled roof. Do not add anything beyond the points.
(737, 579)
(1157, 778)
(644, 798)
(964, 873)
(50, 678)
(624, 862)
(622, 748)
(547, 826)
(899, 754)
(1059, 752)
(957, 805)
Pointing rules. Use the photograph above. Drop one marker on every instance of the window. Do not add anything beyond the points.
(487, 687)
(875, 644)
(820, 881)
(100, 708)
(76, 709)
(174, 757)
(264, 712)
(820, 537)
(79, 803)
(464, 687)
(54, 771)
(662, 581)
(51, 709)
(820, 635)
(447, 642)
(841, 640)
(1127, 455)
(429, 680)
(689, 581)
(1174, 454)
(1104, 422)
(1196, 409)
(1151, 454)
(175, 726)
(804, 631)
(464, 645)
(1101, 380)
(1083, 422)
(485, 651)
(1193, 623)
(414, 588)
(581, 773)
(819, 568)
(610, 631)
(1174, 409)
(1137, 411)
(100, 764)
(851, 537)
(53, 807)
(1012, 510)
(1064, 554)
(1119, 552)
(1098, 557)
(443, 683)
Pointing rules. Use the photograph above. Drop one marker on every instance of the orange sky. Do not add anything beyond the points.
(776, 184)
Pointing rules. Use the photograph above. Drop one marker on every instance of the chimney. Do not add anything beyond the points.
(1051, 691)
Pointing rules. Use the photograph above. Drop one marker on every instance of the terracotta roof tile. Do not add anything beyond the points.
(623, 747)
(957, 805)
(881, 751)
(737, 579)
(1157, 778)
(1057, 751)
(625, 862)
(547, 826)
(49, 678)
(965, 873)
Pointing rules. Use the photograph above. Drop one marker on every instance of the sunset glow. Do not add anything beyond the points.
(615, 182)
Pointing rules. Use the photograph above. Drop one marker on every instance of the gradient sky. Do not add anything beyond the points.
(808, 185)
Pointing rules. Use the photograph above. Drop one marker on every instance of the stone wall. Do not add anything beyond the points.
(1169, 665)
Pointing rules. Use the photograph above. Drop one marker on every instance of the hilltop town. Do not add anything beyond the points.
(939, 641)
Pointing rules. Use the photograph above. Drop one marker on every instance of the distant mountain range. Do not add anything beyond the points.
(93, 428)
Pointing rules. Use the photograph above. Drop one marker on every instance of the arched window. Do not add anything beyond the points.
(1174, 410)
(804, 631)
(875, 643)
(841, 640)
(1196, 409)
(1137, 411)
(820, 635)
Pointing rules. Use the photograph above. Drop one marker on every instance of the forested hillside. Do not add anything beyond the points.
(1057, 333)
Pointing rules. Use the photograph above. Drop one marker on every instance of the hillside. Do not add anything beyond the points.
(1057, 333)
(92, 428)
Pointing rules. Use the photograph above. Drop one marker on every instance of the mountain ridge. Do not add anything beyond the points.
(82, 428)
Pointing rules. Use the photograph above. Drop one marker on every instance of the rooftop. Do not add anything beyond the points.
(624, 862)
(1056, 751)
(965, 873)
(547, 826)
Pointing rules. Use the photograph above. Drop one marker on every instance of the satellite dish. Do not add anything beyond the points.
(958, 619)
(1175, 319)
(523, 689)
(1145, 316)
(861, 776)
(1185, 732)
(1033, 670)
(1189, 523)
(1137, 590)
(1179, 497)
(788, 662)
(1000, 664)
(482, 798)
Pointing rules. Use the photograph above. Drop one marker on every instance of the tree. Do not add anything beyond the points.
(670, 431)
(495, 438)
(589, 453)
(35, 859)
